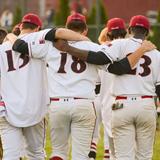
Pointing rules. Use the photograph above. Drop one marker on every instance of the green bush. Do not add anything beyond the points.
(17, 17)
(93, 30)
(62, 13)
(155, 38)
(103, 16)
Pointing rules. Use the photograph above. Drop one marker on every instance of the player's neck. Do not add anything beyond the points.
(139, 36)
(26, 31)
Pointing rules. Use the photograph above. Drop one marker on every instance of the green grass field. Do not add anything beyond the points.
(156, 155)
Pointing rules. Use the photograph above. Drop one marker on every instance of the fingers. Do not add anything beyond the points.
(11, 37)
(60, 44)
(86, 39)
(148, 45)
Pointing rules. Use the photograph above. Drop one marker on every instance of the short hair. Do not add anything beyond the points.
(16, 30)
(3, 33)
(117, 33)
(139, 30)
(27, 25)
(77, 26)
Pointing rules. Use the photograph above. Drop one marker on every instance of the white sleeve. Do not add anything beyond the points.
(38, 46)
(112, 50)
(158, 72)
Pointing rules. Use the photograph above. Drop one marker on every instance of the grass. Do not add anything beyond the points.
(156, 154)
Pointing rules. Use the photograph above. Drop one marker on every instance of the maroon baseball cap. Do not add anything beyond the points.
(32, 18)
(115, 23)
(139, 20)
(76, 16)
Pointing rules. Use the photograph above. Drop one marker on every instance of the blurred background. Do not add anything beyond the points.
(97, 12)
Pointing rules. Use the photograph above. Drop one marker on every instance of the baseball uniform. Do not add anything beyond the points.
(107, 99)
(3, 33)
(134, 114)
(25, 96)
(115, 29)
(99, 105)
(72, 113)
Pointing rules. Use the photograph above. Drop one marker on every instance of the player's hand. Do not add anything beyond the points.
(148, 46)
(61, 45)
(86, 39)
(102, 39)
(11, 37)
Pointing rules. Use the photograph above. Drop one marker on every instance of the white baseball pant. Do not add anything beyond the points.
(75, 118)
(13, 140)
(98, 107)
(134, 128)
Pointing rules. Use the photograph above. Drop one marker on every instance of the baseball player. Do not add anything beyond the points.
(115, 28)
(24, 90)
(135, 123)
(71, 109)
(3, 34)
(134, 112)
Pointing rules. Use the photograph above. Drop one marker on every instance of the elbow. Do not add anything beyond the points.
(59, 33)
(20, 46)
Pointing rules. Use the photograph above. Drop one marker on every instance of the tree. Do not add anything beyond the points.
(92, 16)
(17, 16)
(156, 32)
(62, 13)
(103, 15)
(94, 31)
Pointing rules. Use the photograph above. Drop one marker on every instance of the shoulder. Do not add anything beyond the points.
(120, 42)
(36, 35)
(6, 46)
(154, 56)
(87, 45)
(154, 52)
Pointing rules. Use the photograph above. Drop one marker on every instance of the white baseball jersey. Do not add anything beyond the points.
(69, 76)
(146, 70)
(23, 81)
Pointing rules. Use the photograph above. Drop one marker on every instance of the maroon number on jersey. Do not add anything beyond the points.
(11, 63)
(144, 65)
(77, 65)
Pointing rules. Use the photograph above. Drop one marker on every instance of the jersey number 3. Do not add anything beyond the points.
(77, 65)
(145, 66)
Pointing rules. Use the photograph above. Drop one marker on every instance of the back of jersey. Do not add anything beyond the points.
(145, 75)
(23, 87)
(70, 77)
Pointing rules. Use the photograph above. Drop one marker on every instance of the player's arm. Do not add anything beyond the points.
(67, 34)
(100, 58)
(103, 36)
(145, 47)
(121, 67)
(53, 34)
(132, 59)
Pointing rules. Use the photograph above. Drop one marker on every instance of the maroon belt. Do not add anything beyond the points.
(2, 104)
(58, 99)
(124, 97)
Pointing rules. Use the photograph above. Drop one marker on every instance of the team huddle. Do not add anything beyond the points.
(59, 72)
